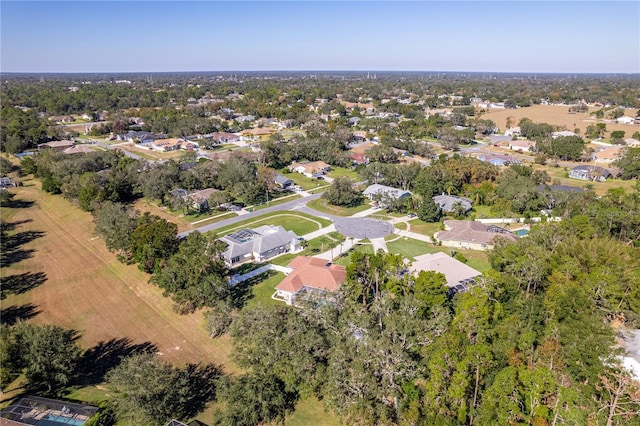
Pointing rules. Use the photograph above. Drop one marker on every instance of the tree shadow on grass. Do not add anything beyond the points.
(15, 313)
(202, 383)
(21, 283)
(17, 204)
(104, 356)
(11, 247)
(10, 226)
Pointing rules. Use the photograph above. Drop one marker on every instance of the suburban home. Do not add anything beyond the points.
(310, 169)
(376, 192)
(594, 173)
(450, 203)
(564, 133)
(499, 159)
(220, 157)
(459, 276)
(283, 182)
(77, 149)
(632, 142)
(512, 131)
(625, 120)
(358, 158)
(259, 244)
(200, 199)
(57, 145)
(310, 276)
(257, 132)
(225, 137)
(471, 235)
(522, 145)
(166, 145)
(360, 136)
(496, 139)
(62, 118)
(139, 137)
(607, 155)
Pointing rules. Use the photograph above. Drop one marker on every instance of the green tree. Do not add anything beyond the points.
(153, 242)
(115, 223)
(629, 163)
(47, 354)
(253, 399)
(195, 276)
(429, 211)
(342, 193)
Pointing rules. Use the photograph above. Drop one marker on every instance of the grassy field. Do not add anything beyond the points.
(86, 289)
(555, 115)
(424, 228)
(409, 248)
(321, 205)
(305, 182)
(337, 172)
(262, 291)
(315, 246)
(298, 222)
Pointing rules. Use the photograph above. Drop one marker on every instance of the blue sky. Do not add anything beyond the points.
(147, 36)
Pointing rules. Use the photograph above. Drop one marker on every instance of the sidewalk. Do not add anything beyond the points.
(379, 244)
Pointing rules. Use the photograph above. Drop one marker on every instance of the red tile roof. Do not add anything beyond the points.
(314, 273)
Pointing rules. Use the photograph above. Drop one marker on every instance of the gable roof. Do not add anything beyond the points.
(77, 149)
(313, 273)
(256, 240)
(454, 270)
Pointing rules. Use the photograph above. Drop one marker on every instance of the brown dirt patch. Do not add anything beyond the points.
(89, 290)
(557, 116)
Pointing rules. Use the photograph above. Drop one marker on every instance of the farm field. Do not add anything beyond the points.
(557, 116)
(87, 289)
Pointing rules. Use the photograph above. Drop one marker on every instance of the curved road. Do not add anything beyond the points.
(348, 226)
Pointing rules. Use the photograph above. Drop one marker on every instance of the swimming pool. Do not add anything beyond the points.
(522, 232)
(53, 420)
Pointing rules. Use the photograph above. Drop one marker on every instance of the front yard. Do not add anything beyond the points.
(323, 206)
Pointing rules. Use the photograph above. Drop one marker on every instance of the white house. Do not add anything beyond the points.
(625, 120)
(310, 276)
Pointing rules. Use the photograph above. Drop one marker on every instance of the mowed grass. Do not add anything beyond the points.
(261, 292)
(298, 222)
(310, 411)
(337, 172)
(323, 206)
(304, 182)
(409, 247)
(600, 188)
(424, 228)
(88, 290)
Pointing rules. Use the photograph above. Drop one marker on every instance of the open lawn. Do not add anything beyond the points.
(337, 172)
(275, 202)
(321, 205)
(310, 411)
(314, 247)
(424, 228)
(305, 182)
(262, 291)
(298, 222)
(409, 248)
(73, 281)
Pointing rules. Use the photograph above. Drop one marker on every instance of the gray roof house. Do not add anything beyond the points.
(459, 276)
(282, 182)
(472, 235)
(376, 191)
(259, 244)
(448, 203)
(590, 173)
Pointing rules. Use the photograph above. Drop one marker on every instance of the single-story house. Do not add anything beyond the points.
(353, 121)
(57, 145)
(62, 118)
(310, 276)
(564, 133)
(310, 169)
(358, 158)
(495, 139)
(257, 132)
(165, 145)
(200, 199)
(522, 145)
(77, 149)
(594, 173)
(632, 142)
(449, 203)
(225, 137)
(377, 191)
(512, 131)
(625, 120)
(608, 155)
(140, 137)
(283, 182)
(499, 159)
(459, 275)
(220, 157)
(360, 136)
(259, 244)
(471, 235)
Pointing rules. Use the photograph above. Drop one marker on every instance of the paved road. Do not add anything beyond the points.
(294, 205)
